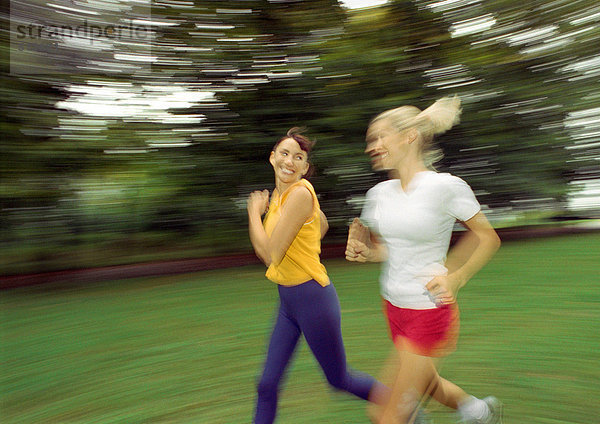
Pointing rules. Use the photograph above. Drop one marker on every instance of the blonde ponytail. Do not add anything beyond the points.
(443, 114)
(436, 119)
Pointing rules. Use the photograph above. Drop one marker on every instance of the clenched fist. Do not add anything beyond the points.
(357, 249)
(258, 202)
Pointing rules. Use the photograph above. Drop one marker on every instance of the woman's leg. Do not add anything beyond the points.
(414, 376)
(420, 336)
(320, 321)
(281, 348)
(447, 393)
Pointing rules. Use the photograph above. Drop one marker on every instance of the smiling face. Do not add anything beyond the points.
(385, 146)
(289, 161)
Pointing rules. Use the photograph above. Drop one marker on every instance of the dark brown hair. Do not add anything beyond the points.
(305, 144)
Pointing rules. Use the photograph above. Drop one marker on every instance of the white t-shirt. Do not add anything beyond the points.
(416, 227)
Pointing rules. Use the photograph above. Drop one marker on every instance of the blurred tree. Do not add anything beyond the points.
(511, 144)
(169, 143)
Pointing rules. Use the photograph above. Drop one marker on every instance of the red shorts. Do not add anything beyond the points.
(426, 332)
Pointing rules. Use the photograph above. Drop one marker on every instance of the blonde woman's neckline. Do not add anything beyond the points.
(414, 182)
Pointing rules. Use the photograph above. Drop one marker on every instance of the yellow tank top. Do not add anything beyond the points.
(301, 262)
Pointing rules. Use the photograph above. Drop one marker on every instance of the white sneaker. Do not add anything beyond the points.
(496, 408)
(495, 415)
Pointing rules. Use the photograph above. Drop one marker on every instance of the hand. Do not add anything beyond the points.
(358, 237)
(358, 231)
(258, 202)
(357, 251)
(443, 289)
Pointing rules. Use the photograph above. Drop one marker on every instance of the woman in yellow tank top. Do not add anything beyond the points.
(289, 243)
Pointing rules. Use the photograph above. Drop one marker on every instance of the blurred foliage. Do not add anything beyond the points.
(152, 153)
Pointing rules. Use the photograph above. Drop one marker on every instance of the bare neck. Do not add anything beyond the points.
(281, 187)
(408, 170)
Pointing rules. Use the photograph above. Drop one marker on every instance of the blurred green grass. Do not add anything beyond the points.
(188, 349)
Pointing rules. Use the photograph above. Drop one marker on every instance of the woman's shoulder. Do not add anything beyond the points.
(305, 183)
(382, 187)
(302, 190)
(446, 178)
(299, 200)
(449, 185)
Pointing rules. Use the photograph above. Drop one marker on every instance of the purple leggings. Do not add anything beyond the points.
(314, 311)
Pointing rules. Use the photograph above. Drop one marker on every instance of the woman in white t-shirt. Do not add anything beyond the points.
(410, 221)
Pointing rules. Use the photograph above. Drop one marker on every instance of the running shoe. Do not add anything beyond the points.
(496, 408)
(495, 415)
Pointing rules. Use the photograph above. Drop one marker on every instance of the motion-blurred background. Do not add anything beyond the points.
(133, 130)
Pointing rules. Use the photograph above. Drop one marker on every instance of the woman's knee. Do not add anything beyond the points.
(355, 383)
(267, 387)
(338, 382)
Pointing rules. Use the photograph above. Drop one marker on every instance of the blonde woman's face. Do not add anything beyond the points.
(385, 145)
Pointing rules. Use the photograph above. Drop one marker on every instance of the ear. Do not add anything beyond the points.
(272, 158)
(412, 135)
(306, 168)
